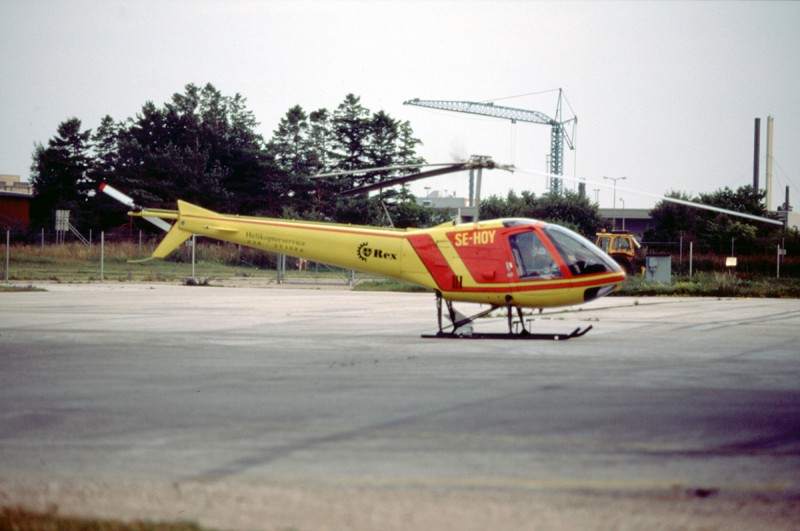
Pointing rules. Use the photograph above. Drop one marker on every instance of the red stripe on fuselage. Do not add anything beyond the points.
(434, 260)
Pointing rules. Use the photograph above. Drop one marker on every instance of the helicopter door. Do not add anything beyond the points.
(532, 257)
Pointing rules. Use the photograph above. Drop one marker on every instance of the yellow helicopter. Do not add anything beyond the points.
(504, 263)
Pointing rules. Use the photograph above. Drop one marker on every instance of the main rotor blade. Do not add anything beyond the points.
(383, 168)
(683, 202)
(406, 178)
(473, 163)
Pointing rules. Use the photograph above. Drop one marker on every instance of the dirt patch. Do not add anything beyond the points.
(240, 505)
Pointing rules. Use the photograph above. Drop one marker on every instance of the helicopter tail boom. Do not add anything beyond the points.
(367, 249)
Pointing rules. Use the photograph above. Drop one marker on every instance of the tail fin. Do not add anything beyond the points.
(176, 236)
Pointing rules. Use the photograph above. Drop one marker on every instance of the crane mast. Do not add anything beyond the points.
(559, 133)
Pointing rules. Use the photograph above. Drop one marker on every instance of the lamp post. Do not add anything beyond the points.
(614, 219)
(623, 212)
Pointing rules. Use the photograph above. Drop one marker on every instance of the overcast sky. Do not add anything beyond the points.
(665, 93)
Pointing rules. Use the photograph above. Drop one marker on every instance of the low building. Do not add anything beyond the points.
(793, 220)
(440, 199)
(14, 184)
(15, 203)
(634, 220)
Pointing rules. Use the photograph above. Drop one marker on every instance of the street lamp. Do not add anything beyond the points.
(623, 212)
(614, 204)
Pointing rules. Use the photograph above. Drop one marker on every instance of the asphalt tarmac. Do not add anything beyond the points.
(177, 384)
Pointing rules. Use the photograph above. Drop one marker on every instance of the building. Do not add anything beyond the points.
(15, 203)
(793, 220)
(440, 199)
(634, 220)
(13, 184)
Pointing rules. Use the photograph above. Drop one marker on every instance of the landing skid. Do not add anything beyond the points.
(461, 326)
(511, 335)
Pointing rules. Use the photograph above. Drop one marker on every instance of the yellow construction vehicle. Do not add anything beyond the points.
(623, 247)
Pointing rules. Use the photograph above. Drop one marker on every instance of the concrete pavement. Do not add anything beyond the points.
(177, 385)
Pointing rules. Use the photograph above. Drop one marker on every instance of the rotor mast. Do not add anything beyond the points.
(561, 131)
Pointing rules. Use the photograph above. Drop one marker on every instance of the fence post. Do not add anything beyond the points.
(691, 256)
(102, 254)
(281, 268)
(8, 252)
(194, 247)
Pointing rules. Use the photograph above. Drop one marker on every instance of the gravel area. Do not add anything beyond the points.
(228, 505)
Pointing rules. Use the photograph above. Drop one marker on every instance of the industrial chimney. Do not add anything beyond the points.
(756, 154)
(770, 122)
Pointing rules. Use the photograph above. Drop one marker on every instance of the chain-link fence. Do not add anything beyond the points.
(118, 255)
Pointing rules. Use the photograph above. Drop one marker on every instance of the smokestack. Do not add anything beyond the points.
(770, 122)
(756, 154)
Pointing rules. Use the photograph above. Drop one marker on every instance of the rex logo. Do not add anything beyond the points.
(366, 252)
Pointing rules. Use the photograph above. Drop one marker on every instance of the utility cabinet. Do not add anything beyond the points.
(658, 268)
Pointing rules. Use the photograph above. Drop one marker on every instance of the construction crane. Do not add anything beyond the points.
(561, 130)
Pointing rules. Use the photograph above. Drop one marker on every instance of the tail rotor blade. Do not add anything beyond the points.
(128, 201)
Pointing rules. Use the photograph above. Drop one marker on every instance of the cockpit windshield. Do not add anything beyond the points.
(581, 256)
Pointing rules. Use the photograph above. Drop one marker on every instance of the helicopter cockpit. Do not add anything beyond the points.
(552, 252)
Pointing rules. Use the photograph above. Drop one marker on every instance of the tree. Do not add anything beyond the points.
(106, 149)
(406, 152)
(351, 128)
(60, 174)
(199, 147)
(104, 165)
(513, 206)
(295, 158)
(381, 148)
(716, 231)
(713, 231)
(406, 212)
(565, 208)
(571, 209)
(671, 220)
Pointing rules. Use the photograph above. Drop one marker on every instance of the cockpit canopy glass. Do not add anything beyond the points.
(581, 256)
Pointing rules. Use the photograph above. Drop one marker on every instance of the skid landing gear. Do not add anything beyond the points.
(461, 326)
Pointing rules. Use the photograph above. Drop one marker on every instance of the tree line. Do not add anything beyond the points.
(202, 146)
(717, 232)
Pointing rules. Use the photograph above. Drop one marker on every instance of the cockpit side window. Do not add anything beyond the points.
(581, 256)
(532, 258)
